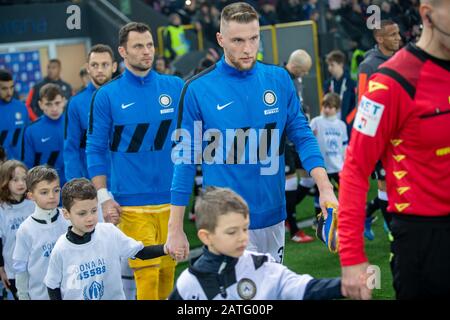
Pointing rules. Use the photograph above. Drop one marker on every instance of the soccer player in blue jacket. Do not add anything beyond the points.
(134, 115)
(44, 138)
(259, 99)
(100, 66)
(14, 117)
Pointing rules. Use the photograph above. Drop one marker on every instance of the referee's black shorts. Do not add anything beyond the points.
(421, 256)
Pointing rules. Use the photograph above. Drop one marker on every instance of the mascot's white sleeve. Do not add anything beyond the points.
(22, 280)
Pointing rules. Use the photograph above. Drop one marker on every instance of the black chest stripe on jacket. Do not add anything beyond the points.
(282, 143)
(52, 158)
(16, 136)
(138, 137)
(37, 159)
(117, 136)
(3, 136)
(83, 140)
(235, 153)
(268, 135)
(161, 135)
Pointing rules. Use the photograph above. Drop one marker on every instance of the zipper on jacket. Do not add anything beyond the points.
(223, 291)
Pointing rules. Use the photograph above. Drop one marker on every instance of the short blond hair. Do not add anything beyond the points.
(240, 12)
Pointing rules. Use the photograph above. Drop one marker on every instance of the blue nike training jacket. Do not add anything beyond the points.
(223, 98)
(134, 118)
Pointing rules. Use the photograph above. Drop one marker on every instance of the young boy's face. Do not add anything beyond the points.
(328, 110)
(54, 108)
(46, 194)
(230, 237)
(335, 68)
(83, 215)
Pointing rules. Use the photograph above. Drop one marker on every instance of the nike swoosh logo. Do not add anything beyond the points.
(124, 106)
(44, 140)
(219, 107)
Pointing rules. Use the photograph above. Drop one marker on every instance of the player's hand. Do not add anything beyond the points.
(327, 198)
(354, 282)
(111, 211)
(180, 255)
(177, 244)
(4, 277)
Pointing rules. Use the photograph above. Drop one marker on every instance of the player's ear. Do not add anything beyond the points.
(219, 37)
(30, 196)
(204, 236)
(122, 51)
(114, 66)
(41, 104)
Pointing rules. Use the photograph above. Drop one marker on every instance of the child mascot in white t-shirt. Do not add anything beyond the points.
(37, 235)
(14, 209)
(86, 261)
(227, 271)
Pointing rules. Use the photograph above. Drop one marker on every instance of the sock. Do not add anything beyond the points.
(373, 206)
(291, 202)
(387, 217)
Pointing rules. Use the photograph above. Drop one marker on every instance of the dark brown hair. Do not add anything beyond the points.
(132, 26)
(77, 189)
(214, 202)
(101, 48)
(332, 99)
(5, 75)
(50, 91)
(39, 174)
(57, 61)
(383, 24)
(6, 174)
(336, 56)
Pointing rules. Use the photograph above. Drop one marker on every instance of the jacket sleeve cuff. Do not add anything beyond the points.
(97, 171)
(347, 261)
(180, 198)
(313, 162)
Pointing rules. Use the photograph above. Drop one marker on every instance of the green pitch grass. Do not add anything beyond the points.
(314, 259)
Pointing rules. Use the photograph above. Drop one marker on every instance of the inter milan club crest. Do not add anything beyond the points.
(94, 292)
(165, 100)
(269, 98)
(246, 289)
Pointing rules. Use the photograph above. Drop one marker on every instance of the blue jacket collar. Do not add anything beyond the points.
(232, 71)
(47, 119)
(137, 80)
(3, 103)
(90, 87)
